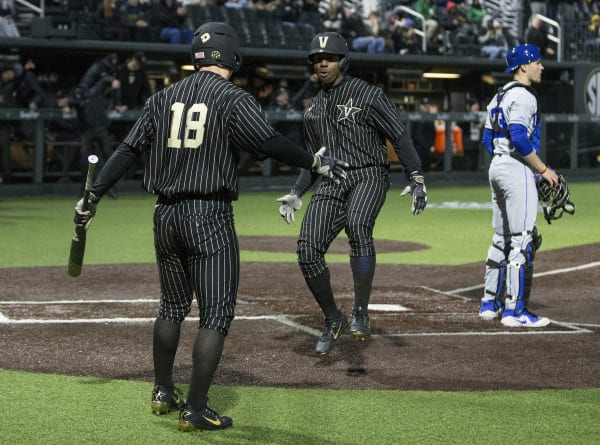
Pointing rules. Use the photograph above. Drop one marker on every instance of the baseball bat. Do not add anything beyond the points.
(79, 233)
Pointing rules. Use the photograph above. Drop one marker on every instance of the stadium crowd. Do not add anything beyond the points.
(479, 28)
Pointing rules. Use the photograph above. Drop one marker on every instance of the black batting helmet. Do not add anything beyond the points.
(330, 43)
(216, 43)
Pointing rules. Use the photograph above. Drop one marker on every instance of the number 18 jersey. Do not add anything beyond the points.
(191, 133)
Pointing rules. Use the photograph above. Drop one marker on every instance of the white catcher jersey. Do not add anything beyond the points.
(518, 106)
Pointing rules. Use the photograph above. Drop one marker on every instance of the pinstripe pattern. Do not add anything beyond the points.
(353, 206)
(353, 120)
(230, 121)
(197, 252)
(191, 134)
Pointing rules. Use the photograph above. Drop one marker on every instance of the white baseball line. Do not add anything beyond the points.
(456, 292)
(576, 328)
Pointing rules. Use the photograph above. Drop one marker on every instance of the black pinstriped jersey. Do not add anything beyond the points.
(192, 132)
(353, 120)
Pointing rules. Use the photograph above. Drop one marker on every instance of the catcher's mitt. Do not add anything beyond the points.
(555, 200)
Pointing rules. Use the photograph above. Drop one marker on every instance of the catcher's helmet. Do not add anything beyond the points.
(555, 200)
(330, 43)
(521, 55)
(216, 43)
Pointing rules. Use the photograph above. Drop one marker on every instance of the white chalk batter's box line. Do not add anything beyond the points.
(575, 328)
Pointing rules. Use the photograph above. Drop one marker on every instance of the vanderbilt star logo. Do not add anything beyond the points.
(347, 111)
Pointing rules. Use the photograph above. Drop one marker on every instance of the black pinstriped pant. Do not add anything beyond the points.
(197, 253)
(353, 206)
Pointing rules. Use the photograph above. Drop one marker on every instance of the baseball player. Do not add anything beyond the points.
(512, 136)
(354, 119)
(191, 133)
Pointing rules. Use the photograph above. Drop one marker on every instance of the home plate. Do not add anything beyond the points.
(388, 308)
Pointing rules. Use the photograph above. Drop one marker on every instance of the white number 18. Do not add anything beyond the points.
(195, 121)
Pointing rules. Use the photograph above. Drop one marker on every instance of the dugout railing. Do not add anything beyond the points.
(569, 141)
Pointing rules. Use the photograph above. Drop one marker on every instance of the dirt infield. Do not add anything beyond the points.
(429, 337)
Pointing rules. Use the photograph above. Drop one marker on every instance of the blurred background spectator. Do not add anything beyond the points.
(8, 16)
(171, 17)
(432, 27)
(107, 16)
(537, 34)
(492, 40)
(358, 35)
(136, 18)
(422, 133)
(8, 74)
(332, 13)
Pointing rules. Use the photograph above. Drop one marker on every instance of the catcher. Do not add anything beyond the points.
(512, 136)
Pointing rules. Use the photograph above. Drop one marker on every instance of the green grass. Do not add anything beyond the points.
(37, 231)
(54, 409)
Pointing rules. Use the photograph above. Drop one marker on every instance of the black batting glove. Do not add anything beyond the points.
(417, 189)
(328, 167)
(83, 217)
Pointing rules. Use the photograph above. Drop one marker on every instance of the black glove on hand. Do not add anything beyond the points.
(84, 217)
(418, 191)
(328, 167)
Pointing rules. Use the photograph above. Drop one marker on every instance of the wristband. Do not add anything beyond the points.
(542, 171)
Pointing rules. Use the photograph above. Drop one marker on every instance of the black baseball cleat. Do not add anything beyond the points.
(164, 401)
(333, 329)
(205, 419)
(359, 327)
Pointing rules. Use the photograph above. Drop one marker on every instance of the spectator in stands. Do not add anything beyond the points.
(236, 4)
(378, 29)
(65, 129)
(492, 40)
(8, 16)
(109, 23)
(537, 7)
(261, 85)
(269, 5)
(281, 101)
(134, 86)
(92, 99)
(475, 13)
(171, 17)
(332, 13)
(407, 41)
(593, 32)
(357, 34)
(29, 92)
(430, 12)
(422, 132)
(136, 19)
(473, 128)
(311, 87)
(289, 10)
(8, 74)
(102, 72)
(310, 14)
(537, 34)
(455, 23)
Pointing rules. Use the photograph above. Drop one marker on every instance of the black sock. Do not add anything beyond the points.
(320, 286)
(206, 356)
(363, 269)
(165, 342)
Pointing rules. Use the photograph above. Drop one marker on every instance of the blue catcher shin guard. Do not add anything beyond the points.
(520, 272)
